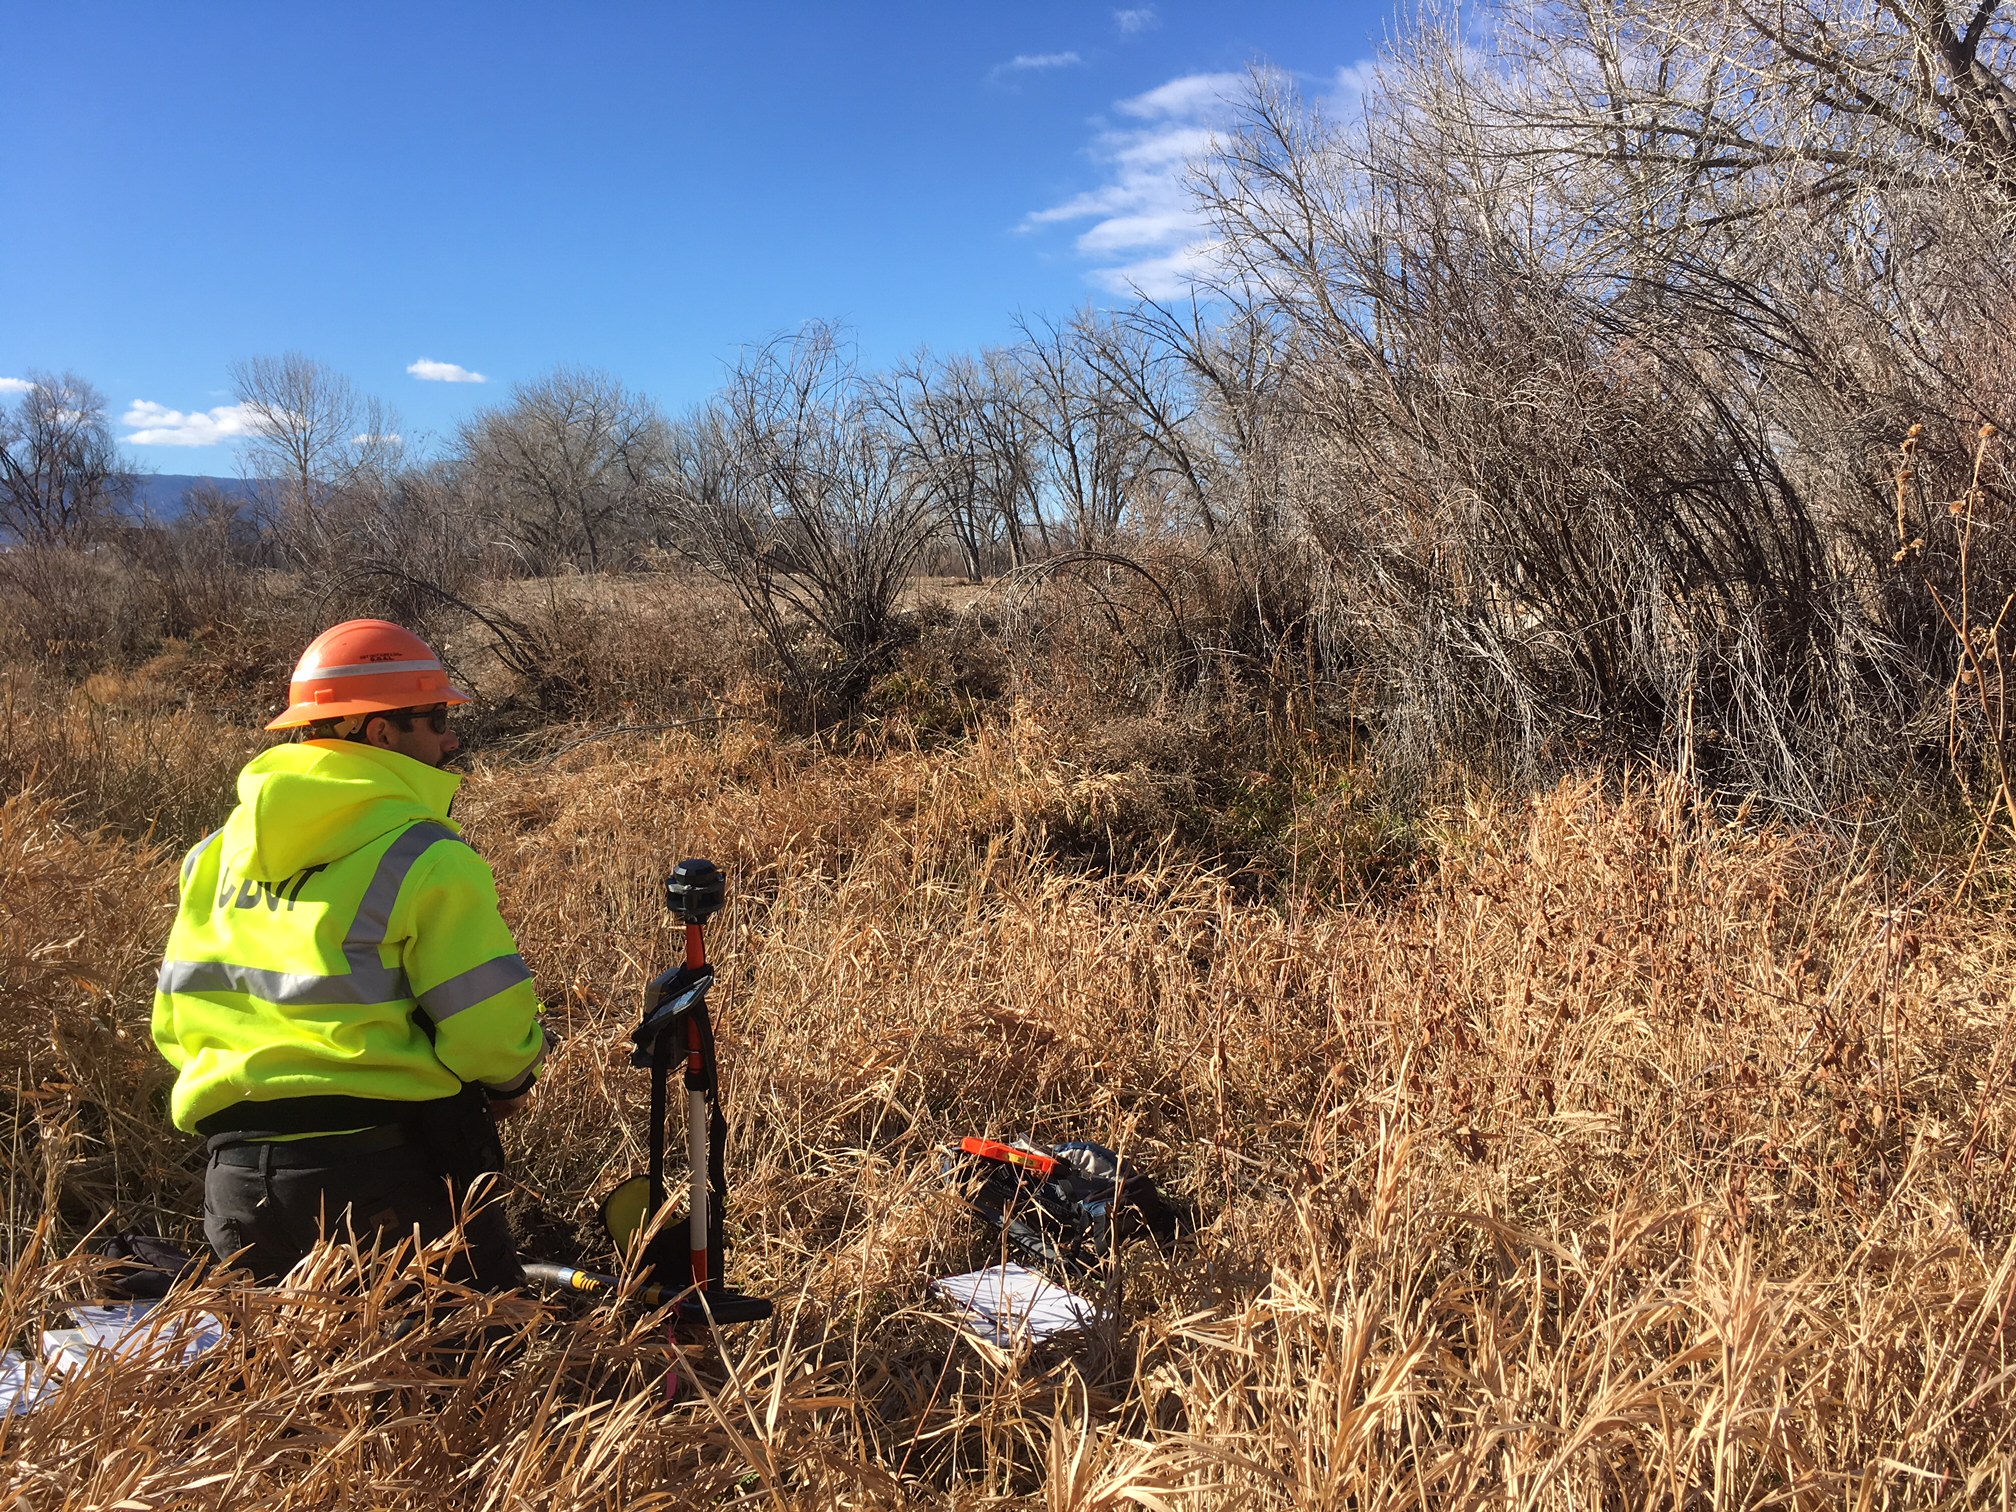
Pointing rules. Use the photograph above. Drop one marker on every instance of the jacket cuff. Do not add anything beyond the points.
(522, 1083)
(517, 1088)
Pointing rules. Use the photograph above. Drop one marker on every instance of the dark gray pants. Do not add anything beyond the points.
(267, 1203)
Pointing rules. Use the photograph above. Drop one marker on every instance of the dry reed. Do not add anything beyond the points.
(1636, 1155)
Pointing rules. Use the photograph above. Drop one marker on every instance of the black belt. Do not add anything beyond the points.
(321, 1149)
(306, 1115)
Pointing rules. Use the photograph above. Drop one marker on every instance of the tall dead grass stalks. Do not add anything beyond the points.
(120, 753)
(1634, 1154)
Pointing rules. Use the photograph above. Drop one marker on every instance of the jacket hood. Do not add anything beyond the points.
(310, 803)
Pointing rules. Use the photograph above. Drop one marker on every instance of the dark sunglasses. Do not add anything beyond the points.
(436, 718)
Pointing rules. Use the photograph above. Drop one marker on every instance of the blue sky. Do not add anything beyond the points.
(500, 188)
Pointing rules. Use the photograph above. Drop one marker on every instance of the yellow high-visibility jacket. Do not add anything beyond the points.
(338, 952)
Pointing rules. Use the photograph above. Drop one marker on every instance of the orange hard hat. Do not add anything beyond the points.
(365, 666)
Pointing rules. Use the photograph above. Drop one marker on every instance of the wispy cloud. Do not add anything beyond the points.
(15, 385)
(1205, 98)
(1137, 20)
(152, 424)
(1032, 62)
(1349, 86)
(1144, 231)
(443, 372)
(370, 438)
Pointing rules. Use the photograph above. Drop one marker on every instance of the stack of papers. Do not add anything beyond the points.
(122, 1331)
(1005, 1303)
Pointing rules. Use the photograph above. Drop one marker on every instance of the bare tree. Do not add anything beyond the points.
(1206, 399)
(1756, 106)
(565, 469)
(313, 434)
(999, 415)
(61, 478)
(964, 435)
(1547, 458)
(1089, 460)
(792, 488)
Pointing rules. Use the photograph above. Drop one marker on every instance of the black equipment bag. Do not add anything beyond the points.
(1066, 1205)
(145, 1266)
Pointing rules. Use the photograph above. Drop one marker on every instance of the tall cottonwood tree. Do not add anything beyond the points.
(1758, 105)
(313, 434)
(1087, 460)
(964, 435)
(565, 470)
(61, 477)
(1559, 400)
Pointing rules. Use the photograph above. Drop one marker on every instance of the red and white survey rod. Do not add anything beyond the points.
(696, 1119)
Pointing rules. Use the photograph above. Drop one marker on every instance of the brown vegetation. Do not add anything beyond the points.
(1629, 1152)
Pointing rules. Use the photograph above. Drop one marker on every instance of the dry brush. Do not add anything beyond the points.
(1629, 1153)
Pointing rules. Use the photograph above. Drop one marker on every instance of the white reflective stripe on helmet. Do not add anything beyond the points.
(307, 674)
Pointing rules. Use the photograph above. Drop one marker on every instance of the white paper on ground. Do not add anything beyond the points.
(1005, 1302)
(125, 1330)
(23, 1383)
(122, 1330)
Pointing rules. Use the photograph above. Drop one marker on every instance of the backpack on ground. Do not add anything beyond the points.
(145, 1267)
(1067, 1206)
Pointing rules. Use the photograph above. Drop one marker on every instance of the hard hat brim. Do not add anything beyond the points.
(309, 711)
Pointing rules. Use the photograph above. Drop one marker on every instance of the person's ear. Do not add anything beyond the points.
(378, 731)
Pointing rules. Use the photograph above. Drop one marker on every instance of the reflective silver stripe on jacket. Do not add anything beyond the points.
(477, 984)
(374, 913)
(368, 980)
(189, 861)
(515, 1088)
(379, 984)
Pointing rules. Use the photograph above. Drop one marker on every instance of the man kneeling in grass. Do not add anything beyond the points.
(345, 1009)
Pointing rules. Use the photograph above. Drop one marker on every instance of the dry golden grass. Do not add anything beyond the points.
(120, 754)
(1636, 1155)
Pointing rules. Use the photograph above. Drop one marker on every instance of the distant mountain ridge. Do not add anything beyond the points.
(165, 496)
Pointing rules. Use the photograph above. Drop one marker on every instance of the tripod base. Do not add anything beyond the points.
(723, 1306)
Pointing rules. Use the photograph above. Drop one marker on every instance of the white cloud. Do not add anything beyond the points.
(1133, 22)
(1120, 234)
(443, 372)
(1194, 96)
(15, 385)
(1026, 61)
(389, 438)
(1144, 233)
(157, 425)
(1141, 230)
